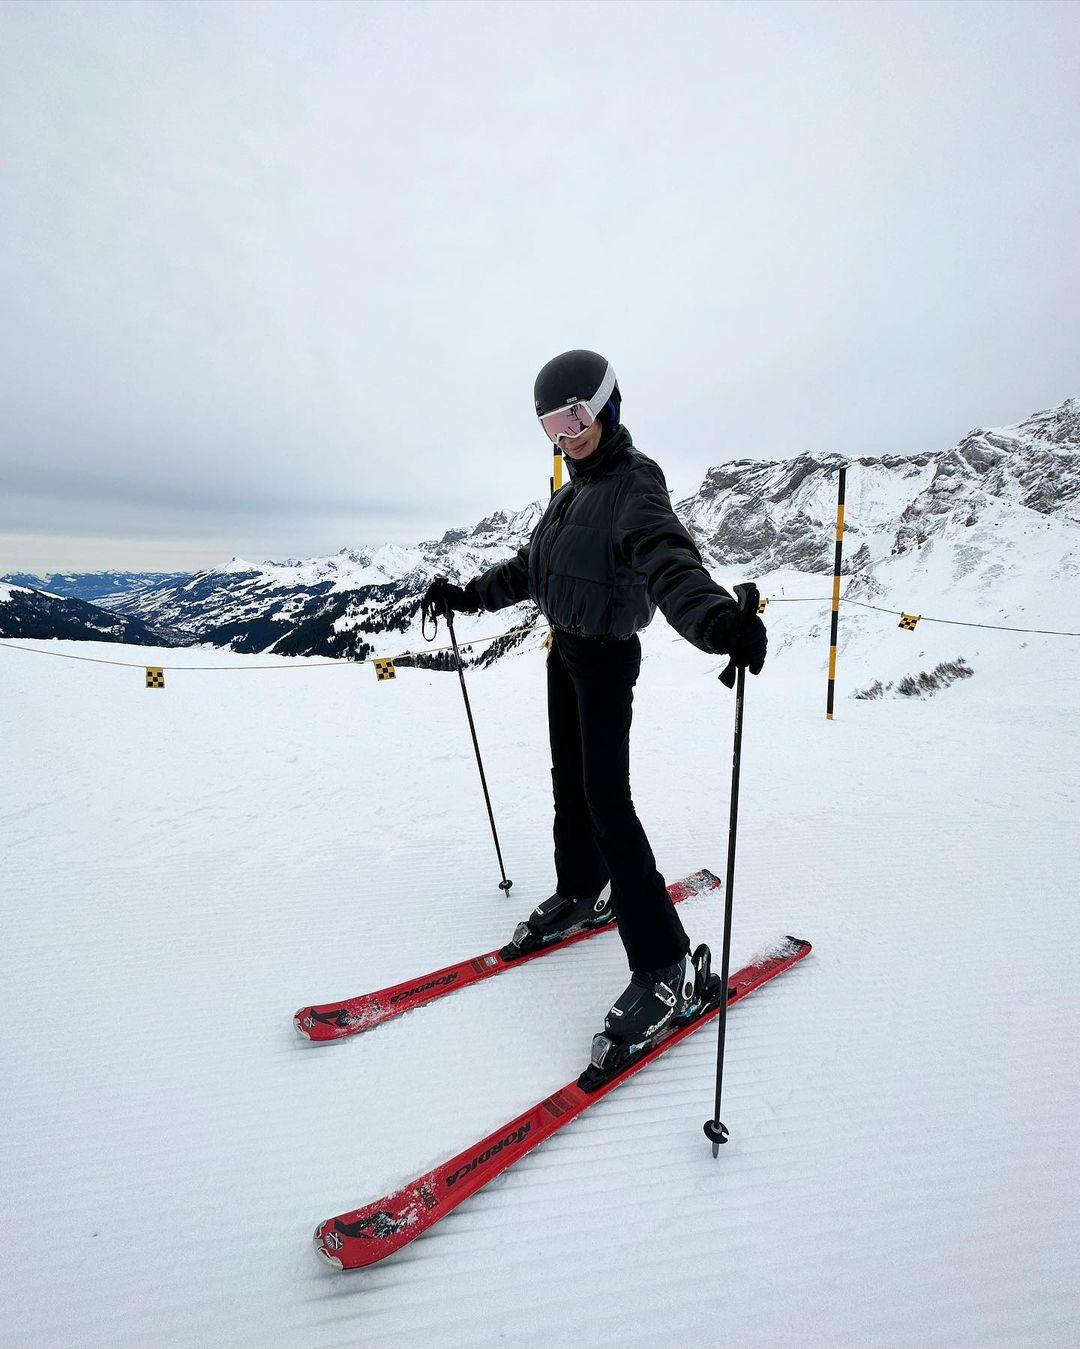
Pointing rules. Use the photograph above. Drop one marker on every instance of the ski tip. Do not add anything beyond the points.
(321, 1250)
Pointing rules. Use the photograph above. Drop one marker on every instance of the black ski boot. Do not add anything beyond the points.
(652, 1003)
(558, 917)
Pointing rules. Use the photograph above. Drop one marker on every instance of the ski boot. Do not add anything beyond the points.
(652, 1004)
(556, 919)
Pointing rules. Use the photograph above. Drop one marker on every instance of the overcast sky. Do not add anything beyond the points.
(277, 277)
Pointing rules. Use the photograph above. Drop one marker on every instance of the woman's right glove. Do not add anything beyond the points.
(442, 597)
(739, 633)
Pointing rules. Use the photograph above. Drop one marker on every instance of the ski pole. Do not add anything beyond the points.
(504, 884)
(715, 1131)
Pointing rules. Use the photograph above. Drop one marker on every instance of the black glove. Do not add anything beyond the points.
(740, 633)
(442, 597)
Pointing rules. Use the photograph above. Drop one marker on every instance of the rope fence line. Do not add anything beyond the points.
(295, 664)
(923, 618)
(960, 623)
(141, 665)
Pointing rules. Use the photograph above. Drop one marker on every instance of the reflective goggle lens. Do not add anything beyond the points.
(570, 421)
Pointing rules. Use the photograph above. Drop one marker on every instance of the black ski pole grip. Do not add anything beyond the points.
(749, 598)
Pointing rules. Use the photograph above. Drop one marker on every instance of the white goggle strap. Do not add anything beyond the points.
(596, 403)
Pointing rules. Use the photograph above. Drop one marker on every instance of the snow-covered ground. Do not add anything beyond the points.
(183, 869)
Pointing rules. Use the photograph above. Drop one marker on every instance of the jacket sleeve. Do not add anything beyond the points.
(503, 584)
(653, 540)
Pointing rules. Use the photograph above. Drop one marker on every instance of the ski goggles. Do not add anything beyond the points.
(572, 420)
(575, 418)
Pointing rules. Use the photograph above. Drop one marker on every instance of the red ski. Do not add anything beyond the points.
(336, 1020)
(379, 1229)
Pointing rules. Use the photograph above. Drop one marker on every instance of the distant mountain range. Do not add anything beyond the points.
(96, 586)
(36, 614)
(973, 506)
(328, 606)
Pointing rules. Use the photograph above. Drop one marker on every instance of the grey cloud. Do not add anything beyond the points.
(275, 272)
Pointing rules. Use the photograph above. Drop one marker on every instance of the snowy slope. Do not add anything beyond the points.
(182, 869)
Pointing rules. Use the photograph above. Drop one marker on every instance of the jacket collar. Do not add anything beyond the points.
(606, 454)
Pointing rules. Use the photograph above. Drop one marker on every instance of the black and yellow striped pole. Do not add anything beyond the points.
(836, 592)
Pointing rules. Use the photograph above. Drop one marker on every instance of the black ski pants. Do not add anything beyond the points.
(598, 836)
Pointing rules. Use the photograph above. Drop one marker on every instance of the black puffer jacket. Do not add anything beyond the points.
(609, 549)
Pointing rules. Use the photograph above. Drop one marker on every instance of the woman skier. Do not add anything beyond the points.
(607, 551)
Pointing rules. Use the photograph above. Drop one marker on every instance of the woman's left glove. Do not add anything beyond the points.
(739, 633)
(442, 597)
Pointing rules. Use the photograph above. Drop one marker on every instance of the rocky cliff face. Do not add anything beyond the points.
(777, 514)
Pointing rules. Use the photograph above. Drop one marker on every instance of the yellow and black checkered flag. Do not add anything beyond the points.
(384, 669)
(546, 643)
(761, 606)
(908, 621)
(155, 677)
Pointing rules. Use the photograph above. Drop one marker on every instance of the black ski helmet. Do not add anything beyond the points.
(578, 377)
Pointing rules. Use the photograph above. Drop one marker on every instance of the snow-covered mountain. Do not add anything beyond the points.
(37, 614)
(332, 606)
(998, 522)
(996, 516)
(95, 586)
(780, 513)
